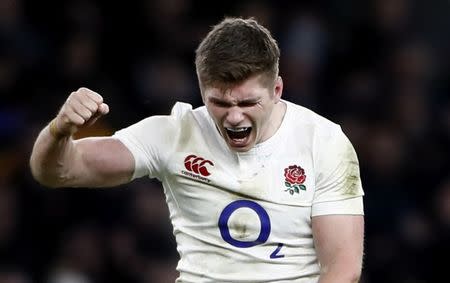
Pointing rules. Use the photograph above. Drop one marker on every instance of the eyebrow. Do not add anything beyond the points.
(247, 101)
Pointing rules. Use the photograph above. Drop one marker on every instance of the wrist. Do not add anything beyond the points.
(54, 130)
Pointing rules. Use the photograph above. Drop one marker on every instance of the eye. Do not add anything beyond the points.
(248, 103)
(220, 103)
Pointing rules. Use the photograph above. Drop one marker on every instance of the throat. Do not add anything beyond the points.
(275, 121)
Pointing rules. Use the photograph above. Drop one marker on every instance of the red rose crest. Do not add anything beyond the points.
(294, 178)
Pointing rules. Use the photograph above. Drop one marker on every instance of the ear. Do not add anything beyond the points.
(278, 89)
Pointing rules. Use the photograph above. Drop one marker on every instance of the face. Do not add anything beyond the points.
(247, 113)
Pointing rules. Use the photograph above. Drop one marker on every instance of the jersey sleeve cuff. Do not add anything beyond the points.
(139, 170)
(350, 206)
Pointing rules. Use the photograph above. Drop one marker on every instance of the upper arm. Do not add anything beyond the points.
(101, 162)
(337, 168)
(339, 242)
(337, 209)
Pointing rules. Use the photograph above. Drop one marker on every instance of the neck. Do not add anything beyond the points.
(275, 121)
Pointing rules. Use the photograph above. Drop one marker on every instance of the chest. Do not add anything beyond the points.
(282, 178)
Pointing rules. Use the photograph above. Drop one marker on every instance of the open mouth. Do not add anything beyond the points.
(238, 134)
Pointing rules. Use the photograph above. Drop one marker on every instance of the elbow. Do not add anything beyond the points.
(37, 171)
(40, 177)
(49, 182)
(44, 176)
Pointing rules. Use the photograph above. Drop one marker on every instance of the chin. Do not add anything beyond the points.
(240, 149)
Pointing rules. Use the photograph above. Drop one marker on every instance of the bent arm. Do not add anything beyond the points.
(88, 162)
(339, 241)
(59, 161)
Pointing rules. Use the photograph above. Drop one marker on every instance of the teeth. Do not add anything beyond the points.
(237, 130)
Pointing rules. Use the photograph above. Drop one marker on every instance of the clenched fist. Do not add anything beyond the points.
(82, 107)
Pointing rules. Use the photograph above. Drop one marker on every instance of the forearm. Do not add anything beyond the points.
(51, 159)
(339, 274)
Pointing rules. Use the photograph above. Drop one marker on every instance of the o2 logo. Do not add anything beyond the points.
(263, 218)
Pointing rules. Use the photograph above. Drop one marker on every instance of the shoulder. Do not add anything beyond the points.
(330, 144)
(154, 139)
(182, 116)
(180, 109)
(317, 125)
(188, 119)
(184, 111)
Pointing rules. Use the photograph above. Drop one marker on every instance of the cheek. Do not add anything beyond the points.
(261, 116)
(216, 113)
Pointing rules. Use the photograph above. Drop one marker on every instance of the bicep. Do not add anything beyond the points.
(103, 162)
(339, 240)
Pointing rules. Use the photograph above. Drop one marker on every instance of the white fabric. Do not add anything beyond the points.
(254, 184)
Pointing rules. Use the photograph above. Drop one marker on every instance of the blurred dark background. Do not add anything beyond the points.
(380, 68)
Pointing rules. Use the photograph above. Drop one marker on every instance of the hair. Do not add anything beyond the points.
(235, 50)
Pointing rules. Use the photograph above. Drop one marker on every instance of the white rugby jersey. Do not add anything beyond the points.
(246, 217)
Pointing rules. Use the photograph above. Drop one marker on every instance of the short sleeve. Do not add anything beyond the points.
(338, 182)
(151, 141)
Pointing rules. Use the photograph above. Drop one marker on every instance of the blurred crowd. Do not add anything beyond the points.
(379, 68)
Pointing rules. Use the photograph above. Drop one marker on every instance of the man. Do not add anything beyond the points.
(259, 189)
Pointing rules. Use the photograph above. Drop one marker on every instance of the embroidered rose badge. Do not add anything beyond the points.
(294, 178)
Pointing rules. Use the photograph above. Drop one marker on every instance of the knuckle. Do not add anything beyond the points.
(98, 98)
(90, 105)
(88, 114)
(79, 121)
(74, 94)
(73, 97)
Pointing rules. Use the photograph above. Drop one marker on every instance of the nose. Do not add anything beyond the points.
(234, 116)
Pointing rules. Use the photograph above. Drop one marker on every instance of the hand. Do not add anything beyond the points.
(82, 108)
